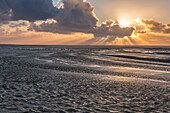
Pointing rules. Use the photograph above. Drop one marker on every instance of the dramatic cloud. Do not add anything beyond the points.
(155, 26)
(73, 16)
(78, 16)
(16, 32)
(112, 29)
(74, 22)
(107, 29)
(5, 12)
(28, 9)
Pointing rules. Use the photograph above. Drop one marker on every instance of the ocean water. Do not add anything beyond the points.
(102, 79)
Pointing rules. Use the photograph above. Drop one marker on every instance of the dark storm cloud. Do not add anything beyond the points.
(49, 25)
(77, 14)
(31, 10)
(155, 26)
(5, 12)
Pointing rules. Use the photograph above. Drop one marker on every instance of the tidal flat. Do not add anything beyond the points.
(64, 79)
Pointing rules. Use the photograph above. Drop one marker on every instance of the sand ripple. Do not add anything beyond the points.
(73, 82)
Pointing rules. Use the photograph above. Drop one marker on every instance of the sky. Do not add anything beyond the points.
(131, 9)
(85, 22)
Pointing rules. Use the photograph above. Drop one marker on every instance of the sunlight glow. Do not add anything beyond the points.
(138, 20)
(124, 23)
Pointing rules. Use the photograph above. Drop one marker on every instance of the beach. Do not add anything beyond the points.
(51, 79)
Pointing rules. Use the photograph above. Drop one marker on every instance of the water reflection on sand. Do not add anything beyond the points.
(52, 79)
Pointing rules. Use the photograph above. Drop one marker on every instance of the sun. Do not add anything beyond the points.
(124, 23)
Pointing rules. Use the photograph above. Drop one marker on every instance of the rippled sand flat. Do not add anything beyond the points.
(50, 79)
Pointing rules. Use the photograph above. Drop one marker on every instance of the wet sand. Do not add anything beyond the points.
(49, 79)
